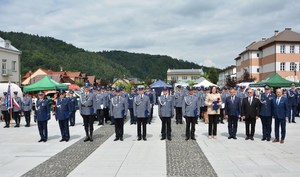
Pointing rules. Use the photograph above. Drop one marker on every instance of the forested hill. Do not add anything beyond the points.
(50, 53)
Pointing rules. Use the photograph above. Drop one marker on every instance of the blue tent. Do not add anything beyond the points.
(160, 84)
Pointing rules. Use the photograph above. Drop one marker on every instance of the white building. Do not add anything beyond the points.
(10, 62)
(229, 71)
(178, 75)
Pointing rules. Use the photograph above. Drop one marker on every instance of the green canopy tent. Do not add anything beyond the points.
(275, 80)
(45, 84)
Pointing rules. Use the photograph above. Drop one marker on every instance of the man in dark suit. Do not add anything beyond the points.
(250, 112)
(232, 113)
(281, 114)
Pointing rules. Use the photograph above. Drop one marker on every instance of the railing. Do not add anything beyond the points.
(6, 72)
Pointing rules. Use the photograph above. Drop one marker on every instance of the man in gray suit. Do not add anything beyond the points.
(166, 112)
(17, 107)
(87, 111)
(178, 103)
(190, 112)
(118, 110)
(99, 105)
(26, 107)
(141, 109)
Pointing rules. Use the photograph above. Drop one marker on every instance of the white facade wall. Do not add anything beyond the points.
(270, 51)
(268, 68)
(12, 75)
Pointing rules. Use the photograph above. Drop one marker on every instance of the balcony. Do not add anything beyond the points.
(6, 72)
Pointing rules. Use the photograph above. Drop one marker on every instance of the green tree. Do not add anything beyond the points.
(213, 75)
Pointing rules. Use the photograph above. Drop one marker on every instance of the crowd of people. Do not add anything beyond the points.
(210, 104)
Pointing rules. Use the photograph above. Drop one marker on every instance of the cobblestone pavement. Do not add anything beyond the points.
(185, 158)
(65, 161)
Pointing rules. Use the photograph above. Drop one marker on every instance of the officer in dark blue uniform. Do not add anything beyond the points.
(62, 114)
(73, 107)
(17, 108)
(266, 112)
(42, 115)
(131, 96)
(292, 95)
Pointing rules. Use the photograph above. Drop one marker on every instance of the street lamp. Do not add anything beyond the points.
(30, 72)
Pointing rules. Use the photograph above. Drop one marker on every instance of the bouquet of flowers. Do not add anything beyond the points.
(215, 105)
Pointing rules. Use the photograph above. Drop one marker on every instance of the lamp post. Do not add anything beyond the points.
(295, 69)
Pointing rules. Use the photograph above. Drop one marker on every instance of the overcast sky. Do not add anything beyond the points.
(211, 32)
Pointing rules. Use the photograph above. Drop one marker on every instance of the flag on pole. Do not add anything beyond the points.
(8, 97)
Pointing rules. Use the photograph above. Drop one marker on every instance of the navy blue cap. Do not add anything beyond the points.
(15, 92)
(86, 84)
(199, 88)
(118, 89)
(98, 89)
(62, 91)
(41, 93)
(189, 88)
(242, 87)
(206, 88)
(165, 88)
(4, 93)
(132, 88)
(293, 84)
(178, 86)
(267, 87)
(71, 91)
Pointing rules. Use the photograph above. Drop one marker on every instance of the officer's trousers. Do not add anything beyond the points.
(141, 121)
(178, 111)
(166, 127)
(132, 117)
(27, 117)
(293, 113)
(100, 116)
(119, 127)
(16, 117)
(190, 127)
(43, 129)
(266, 122)
(88, 121)
(64, 129)
(6, 117)
(72, 118)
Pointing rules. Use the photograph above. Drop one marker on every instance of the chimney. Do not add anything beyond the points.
(276, 32)
(7, 44)
(263, 39)
(289, 29)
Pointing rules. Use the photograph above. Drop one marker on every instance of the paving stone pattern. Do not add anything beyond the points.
(185, 158)
(67, 160)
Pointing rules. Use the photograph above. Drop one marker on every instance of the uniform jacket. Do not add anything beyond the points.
(86, 103)
(201, 97)
(210, 98)
(100, 101)
(27, 103)
(292, 97)
(42, 110)
(281, 110)
(3, 104)
(19, 101)
(62, 111)
(266, 107)
(141, 106)
(130, 99)
(178, 99)
(250, 111)
(118, 107)
(233, 108)
(73, 103)
(190, 106)
(166, 106)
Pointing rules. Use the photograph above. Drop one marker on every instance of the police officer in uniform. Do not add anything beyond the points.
(17, 107)
(87, 111)
(178, 95)
(118, 110)
(166, 112)
(190, 112)
(292, 95)
(26, 107)
(141, 109)
(152, 98)
(99, 105)
(73, 107)
(266, 112)
(62, 114)
(4, 110)
(224, 95)
(42, 115)
(131, 96)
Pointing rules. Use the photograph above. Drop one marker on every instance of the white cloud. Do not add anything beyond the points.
(184, 29)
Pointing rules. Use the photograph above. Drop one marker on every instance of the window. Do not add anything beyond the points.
(184, 77)
(194, 77)
(292, 49)
(257, 70)
(282, 66)
(292, 66)
(13, 66)
(257, 54)
(174, 78)
(4, 67)
(282, 48)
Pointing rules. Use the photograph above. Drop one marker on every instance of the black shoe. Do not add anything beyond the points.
(91, 139)
(187, 139)
(229, 137)
(263, 139)
(222, 122)
(252, 138)
(45, 140)
(268, 139)
(163, 138)
(112, 124)
(62, 140)
(293, 121)
(66, 140)
(234, 137)
(193, 138)
(145, 139)
(86, 139)
(169, 138)
(247, 138)
(116, 139)
(6, 126)
(121, 139)
(139, 139)
(41, 140)
(176, 122)
(180, 122)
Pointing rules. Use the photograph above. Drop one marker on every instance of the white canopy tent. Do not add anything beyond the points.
(204, 82)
